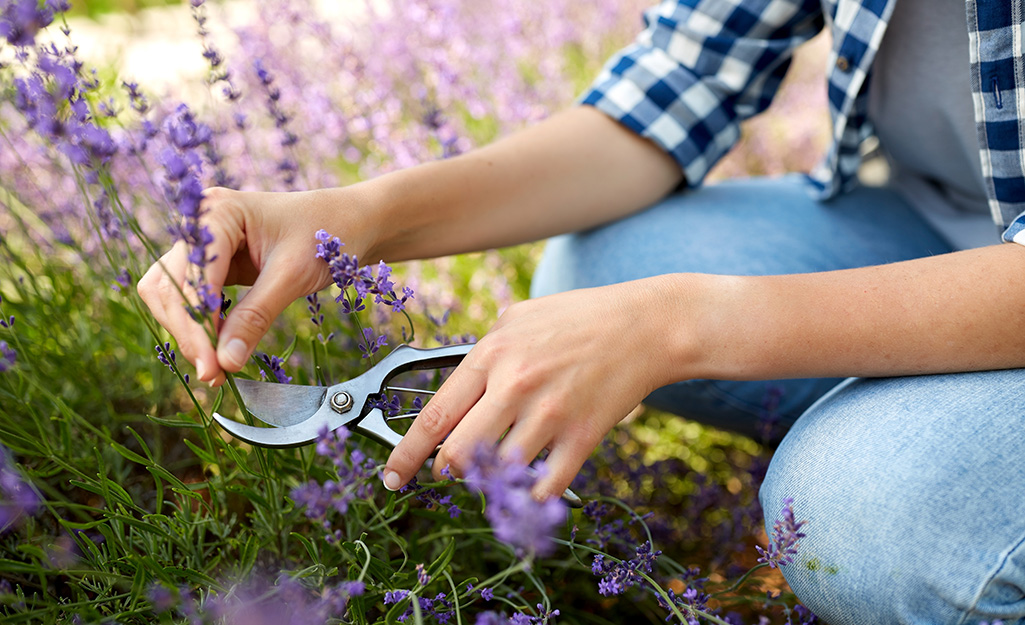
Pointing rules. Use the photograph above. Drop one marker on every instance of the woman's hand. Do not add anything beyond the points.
(261, 239)
(554, 373)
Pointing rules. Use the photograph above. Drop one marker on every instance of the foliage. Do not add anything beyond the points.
(121, 502)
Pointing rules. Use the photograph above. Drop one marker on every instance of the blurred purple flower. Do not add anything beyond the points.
(20, 20)
(422, 577)
(7, 356)
(785, 534)
(516, 517)
(259, 602)
(17, 497)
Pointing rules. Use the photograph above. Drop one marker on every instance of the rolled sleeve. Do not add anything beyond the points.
(1015, 231)
(699, 69)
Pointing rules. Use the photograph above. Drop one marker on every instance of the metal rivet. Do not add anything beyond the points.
(843, 64)
(341, 402)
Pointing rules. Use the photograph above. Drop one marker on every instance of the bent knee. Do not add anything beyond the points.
(912, 499)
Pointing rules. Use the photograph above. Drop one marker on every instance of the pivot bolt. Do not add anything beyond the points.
(341, 402)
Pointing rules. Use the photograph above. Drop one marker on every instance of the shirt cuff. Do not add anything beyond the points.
(1015, 232)
(650, 93)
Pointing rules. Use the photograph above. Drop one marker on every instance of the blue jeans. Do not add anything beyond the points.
(913, 488)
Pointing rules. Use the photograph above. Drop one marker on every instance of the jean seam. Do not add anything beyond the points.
(1004, 559)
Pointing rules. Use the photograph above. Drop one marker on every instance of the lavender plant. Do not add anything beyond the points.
(119, 501)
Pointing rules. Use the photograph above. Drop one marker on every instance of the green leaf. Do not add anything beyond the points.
(443, 560)
(248, 556)
(176, 423)
(129, 454)
(201, 453)
(285, 355)
(311, 549)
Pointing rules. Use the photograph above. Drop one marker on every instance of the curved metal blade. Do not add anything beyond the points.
(281, 404)
(268, 437)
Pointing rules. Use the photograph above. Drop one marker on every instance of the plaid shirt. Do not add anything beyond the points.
(702, 66)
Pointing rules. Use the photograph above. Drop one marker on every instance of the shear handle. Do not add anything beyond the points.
(405, 358)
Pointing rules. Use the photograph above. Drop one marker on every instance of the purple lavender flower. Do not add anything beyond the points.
(17, 497)
(22, 19)
(616, 577)
(354, 471)
(166, 355)
(261, 602)
(346, 272)
(516, 517)
(8, 356)
(431, 498)
(785, 534)
(438, 608)
(183, 188)
(273, 364)
(422, 577)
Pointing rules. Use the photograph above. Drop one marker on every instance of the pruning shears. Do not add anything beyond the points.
(298, 414)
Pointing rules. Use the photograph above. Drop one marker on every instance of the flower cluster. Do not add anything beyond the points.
(273, 364)
(616, 577)
(517, 518)
(346, 272)
(439, 608)
(354, 471)
(183, 188)
(258, 602)
(431, 498)
(785, 534)
(543, 617)
(17, 497)
(8, 356)
(20, 20)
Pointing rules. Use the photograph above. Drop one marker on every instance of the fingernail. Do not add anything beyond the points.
(392, 481)
(236, 352)
(202, 369)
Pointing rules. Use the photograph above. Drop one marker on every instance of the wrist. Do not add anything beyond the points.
(696, 320)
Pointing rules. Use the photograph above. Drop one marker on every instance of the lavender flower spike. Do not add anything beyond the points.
(785, 534)
(517, 518)
(17, 497)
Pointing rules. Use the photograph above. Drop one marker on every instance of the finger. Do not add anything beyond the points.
(454, 399)
(560, 468)
(532, 433)
(483, 424)
(273, 291)
(162, 288)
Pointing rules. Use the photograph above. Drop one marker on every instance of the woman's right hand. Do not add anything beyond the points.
(265, 240)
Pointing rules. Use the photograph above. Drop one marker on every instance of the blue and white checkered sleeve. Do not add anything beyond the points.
(698, 69)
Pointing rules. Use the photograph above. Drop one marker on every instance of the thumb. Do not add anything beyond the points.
(246, 324)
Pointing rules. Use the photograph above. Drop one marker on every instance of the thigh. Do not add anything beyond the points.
(743, 227)
(914, 493)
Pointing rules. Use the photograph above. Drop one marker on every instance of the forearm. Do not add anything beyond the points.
(954, 312)
(573, 171)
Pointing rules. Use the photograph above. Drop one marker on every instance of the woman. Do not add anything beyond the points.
(696, 297)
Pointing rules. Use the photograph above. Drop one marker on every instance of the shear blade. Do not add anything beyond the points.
(280, 405)
(267, 437)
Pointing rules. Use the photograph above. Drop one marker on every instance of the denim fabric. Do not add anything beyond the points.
(913, 488)
(745, 227)
(914, 493)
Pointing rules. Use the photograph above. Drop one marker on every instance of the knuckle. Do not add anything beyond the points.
(522, 379)
(253, 319)
(432, 421)
(454, 456)
(214, 194)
